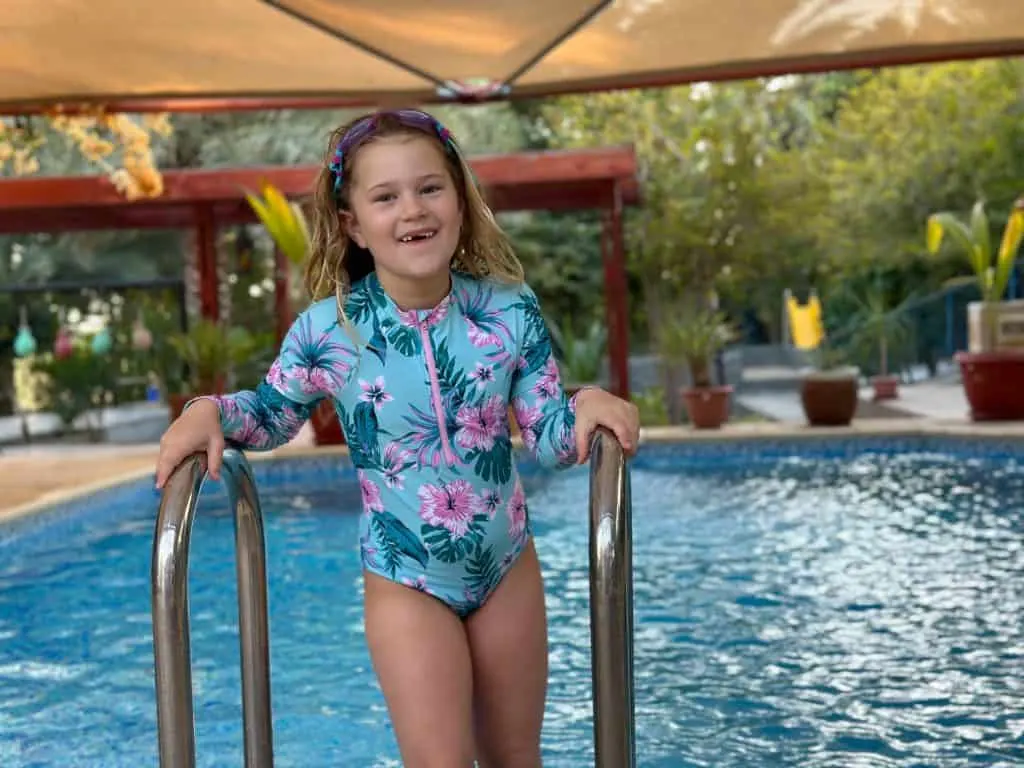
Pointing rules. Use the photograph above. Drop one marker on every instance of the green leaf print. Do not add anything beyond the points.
(366, 429)
(495, 464)
(482, 572)
(448, 550)
(395, 540)
(450, 374)
(378, 344)
(357, 306)
(365, 455)
(405, 340)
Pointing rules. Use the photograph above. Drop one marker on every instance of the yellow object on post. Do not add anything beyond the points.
(805, 327)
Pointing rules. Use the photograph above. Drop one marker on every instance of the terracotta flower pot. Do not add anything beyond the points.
(993, 384)
(886, 387)
(829, 398)
(707, 407)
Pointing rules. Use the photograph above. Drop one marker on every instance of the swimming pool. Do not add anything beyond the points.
(823, 603)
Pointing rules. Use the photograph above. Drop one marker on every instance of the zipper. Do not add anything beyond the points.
(435, 393)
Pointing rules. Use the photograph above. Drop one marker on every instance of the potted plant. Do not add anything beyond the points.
(579, 357)
(286, 224)
(211, 353)
(992, 368)
(829, 393)
(694, 340)
(877, 327)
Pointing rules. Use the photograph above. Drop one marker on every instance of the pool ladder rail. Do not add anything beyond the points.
(611, 608)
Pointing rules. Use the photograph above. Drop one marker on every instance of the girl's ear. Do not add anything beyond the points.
(350, 226)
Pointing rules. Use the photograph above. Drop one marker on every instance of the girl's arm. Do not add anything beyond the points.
(314, 363)
(545, 414)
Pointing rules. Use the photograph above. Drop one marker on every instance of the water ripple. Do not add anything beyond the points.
(804, 613)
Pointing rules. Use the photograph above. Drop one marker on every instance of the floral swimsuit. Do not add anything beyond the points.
(423, 398)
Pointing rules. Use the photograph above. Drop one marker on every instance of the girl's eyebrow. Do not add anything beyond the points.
(419, 180)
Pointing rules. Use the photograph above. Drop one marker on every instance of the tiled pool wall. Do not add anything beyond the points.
(120, 501)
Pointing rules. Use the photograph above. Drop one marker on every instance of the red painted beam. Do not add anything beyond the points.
(210, 185)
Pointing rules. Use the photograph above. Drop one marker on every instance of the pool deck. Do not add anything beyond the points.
(34, 477)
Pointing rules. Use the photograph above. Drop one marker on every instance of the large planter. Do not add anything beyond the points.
(829, 398)
(886, 387)
(993, 384)
(995, 326)
(707, 407)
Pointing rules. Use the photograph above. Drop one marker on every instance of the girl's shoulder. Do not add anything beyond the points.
(509, 297)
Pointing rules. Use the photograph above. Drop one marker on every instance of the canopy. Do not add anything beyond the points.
(215, 54)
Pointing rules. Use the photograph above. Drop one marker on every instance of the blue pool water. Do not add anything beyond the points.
(796, 605)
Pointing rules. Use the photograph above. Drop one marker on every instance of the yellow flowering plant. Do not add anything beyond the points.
(117, 144)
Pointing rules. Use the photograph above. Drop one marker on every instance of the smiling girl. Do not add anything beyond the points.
(422, 333)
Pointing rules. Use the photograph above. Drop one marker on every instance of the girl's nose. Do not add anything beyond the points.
(412, 207)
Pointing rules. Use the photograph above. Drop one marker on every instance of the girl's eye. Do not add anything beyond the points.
(431, 189)
(386, 197)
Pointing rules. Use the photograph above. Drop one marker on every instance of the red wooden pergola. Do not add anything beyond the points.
(205, 200)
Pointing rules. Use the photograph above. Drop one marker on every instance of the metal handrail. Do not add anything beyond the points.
(171, 644)
(611, 604)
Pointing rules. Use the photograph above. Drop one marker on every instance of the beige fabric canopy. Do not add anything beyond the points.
(183, 53)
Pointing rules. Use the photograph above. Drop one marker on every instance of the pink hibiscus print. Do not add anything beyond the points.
(374, 393)
(251, 432)
(481, 338)
(450, 506)
(370, 492)
(483, 374)
(528, 416)
(516, 510)
(480, 425)
(396, 459)
(546, 386)
(490, 502)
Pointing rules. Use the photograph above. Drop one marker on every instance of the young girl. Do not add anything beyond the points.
(422, 333)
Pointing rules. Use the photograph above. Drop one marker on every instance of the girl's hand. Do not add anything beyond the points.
(597, 408)
(197, 429)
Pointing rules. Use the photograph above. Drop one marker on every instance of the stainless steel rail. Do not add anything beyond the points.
(171, 644)
(611, 604)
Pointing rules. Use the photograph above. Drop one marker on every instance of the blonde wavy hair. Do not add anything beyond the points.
(336, 261)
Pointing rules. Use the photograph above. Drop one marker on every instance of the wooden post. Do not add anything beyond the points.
(206, 253)
(616, 293)
(282, 303)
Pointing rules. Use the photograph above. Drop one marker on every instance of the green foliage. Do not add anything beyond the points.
(991, 267)
(910, 141)
(213, 351)
(579, 357)
(561, 255)
(651, 404)
(693, 338)
(75, 384)
(879, 328)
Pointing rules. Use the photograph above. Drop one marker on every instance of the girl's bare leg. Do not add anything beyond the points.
(509, 649)
(421, 657)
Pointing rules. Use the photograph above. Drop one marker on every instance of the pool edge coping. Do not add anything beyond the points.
(742, 432)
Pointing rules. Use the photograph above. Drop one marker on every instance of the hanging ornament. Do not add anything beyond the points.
(24, 342)
(142, 339)
(63, 345)
(102, 343)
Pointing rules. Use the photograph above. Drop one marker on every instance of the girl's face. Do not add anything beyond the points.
(406, 212)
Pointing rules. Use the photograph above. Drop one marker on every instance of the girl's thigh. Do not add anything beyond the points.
(508, 644)
(420, 654)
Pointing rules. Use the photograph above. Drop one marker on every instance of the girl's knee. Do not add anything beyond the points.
(439, 756)
(511, 756)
